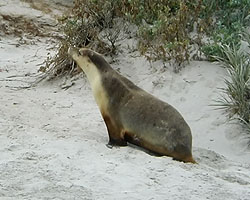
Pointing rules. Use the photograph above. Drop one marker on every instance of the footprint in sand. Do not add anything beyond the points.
(182, 99)
(218, 122)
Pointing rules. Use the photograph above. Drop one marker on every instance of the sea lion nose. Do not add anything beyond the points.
(72, 50)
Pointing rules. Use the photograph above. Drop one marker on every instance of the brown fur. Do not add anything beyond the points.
(133, 115)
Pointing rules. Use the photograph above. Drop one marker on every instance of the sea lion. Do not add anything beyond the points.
(133, 115)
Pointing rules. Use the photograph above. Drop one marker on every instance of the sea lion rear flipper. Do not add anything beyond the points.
(131, 138)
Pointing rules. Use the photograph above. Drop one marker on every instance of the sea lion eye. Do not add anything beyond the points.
(83, 52)
(80, 52)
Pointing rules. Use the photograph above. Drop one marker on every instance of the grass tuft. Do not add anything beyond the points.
(235, 99)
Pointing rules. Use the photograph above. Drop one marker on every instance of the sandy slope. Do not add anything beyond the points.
(52, 141)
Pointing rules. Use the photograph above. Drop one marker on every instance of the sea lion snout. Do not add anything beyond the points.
(72, 51)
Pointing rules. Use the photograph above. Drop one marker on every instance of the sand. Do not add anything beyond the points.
(53, 140)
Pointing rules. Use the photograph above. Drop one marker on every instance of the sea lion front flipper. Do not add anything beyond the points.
(115, 142)
(115, 138)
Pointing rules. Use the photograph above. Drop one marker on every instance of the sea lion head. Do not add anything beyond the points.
(86, 58)
(76, 53)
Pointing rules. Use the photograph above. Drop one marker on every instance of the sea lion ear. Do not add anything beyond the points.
(92, 53)
(80, 51)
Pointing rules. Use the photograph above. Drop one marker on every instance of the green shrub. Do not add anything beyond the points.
(163, 29)
(224, 21)
(82, 28)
